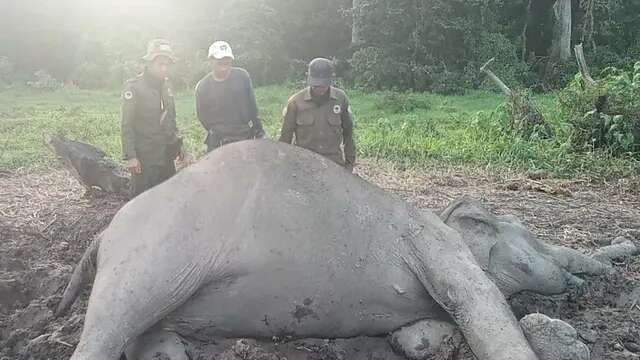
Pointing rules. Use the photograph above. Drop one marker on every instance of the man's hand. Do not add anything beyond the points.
(181, 155)
(134, 166)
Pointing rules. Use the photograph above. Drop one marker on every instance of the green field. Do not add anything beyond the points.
(413, 129)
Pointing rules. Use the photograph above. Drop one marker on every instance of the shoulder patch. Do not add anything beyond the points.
(127, 95)
(285, 110)
(349, 109)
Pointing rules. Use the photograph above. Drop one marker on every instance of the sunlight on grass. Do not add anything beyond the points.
(408, 128)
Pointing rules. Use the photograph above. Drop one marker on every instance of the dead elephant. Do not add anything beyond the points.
(262, 239)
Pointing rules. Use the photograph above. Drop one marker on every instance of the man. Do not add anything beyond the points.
(320, 117)
(150, 139)
(225, 101)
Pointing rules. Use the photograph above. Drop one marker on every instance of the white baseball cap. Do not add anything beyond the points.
(220, 50)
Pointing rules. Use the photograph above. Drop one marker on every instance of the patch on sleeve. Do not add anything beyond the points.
(337, 109)
(349, 109)
(127, 95)
(285, 110)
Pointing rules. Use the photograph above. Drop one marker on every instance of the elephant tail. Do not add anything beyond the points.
(84, 272)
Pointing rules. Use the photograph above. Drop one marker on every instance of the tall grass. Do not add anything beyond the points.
(409, 128)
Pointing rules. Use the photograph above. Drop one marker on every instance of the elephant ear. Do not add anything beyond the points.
(478, 227)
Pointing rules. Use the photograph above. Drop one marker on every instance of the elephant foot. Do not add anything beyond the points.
(550, 339)
(553, 339)
(157, 345)
(428, 339)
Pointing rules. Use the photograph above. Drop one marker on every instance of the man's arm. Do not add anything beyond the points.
(258, 129)
(347, 136)
(288, 123)
(201, 108)
(170, 107)
(127, 120)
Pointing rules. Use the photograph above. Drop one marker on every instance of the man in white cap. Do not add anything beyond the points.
(225, 101)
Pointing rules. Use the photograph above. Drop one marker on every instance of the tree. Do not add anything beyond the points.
(561, 47)
(357, 22)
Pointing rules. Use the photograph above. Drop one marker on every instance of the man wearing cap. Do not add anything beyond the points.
(150, 140)
(320, 117)
(225, 101)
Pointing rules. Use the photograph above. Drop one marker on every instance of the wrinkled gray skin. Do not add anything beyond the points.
(513, 257)
(263, 239)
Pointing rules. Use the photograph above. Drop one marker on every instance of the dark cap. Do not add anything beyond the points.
(320, 72)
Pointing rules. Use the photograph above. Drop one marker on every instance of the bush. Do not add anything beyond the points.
(558, 74)
(89, 75)
(7, 69)
(373, 69)
(44, 81)
(520, 117)
(606, 115)
(508, 65)
(122, 71)
(397, 102)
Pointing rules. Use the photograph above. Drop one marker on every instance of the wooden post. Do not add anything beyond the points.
(505, 89)
(582, 64)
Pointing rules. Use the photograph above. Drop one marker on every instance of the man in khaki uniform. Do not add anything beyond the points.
(320, 117)
(150, 141)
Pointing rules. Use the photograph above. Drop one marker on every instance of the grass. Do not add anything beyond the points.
(413, 129)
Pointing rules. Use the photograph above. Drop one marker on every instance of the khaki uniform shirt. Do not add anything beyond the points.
(148, 121)
(325, 128)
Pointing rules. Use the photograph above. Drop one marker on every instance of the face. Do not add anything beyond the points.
(221, 67)
(159, 67)
(319, 90)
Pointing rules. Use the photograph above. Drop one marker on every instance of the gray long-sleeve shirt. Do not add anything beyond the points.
(227, 109)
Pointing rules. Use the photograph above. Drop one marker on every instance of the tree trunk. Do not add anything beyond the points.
(524, 32)
(357, 23)
(561, 48)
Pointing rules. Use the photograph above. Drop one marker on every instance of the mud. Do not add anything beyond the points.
(46, 222)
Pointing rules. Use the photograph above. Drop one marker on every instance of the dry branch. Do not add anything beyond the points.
(582, 64)
(505, 89)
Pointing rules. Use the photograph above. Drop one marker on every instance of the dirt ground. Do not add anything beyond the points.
(47, 220)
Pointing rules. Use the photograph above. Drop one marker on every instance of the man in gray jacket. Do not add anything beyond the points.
(225, 101)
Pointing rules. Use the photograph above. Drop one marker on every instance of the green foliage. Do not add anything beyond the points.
(418, 45)
(397, 102)
(7, 69)
(448, 131)
(606, 115)
(508, 66)
(520, 117)
(44, 81)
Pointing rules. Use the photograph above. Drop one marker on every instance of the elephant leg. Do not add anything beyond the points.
(428, 339)
(553, 339)
(157, 344)
(550, 339)
(617, 250)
